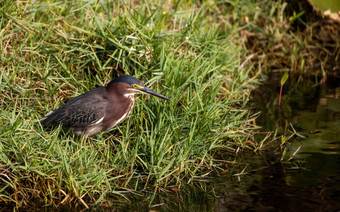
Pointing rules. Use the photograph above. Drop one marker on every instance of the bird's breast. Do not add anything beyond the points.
(118, 113)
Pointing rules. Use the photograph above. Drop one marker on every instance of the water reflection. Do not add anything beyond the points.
(314, 182)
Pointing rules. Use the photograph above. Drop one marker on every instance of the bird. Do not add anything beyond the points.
(99, 109)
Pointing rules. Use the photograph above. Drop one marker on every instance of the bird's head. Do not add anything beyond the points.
(134, 86)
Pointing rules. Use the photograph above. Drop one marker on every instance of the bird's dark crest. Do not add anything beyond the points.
(127, 79)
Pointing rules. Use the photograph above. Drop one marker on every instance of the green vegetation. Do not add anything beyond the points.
(51, 52)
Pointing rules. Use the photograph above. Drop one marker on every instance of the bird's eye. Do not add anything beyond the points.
(137, 86)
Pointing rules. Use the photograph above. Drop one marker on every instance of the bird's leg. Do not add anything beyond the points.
(86, 135)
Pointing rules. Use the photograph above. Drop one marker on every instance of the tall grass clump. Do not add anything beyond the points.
(54, 51)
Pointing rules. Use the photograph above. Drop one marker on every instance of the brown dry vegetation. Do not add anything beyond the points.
(305, 43)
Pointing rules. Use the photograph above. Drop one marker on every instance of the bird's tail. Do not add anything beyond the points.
(48, 119)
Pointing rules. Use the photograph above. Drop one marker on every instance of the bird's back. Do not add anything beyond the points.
(80, 112)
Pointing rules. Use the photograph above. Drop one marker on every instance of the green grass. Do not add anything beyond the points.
(51, 52)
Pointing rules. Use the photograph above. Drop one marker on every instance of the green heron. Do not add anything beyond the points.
(101, 108)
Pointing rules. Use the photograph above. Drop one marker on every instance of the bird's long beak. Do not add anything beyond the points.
(152, 92)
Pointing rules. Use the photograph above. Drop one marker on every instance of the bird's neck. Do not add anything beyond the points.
(117, 89)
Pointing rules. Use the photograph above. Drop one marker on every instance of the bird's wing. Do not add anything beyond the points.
(85, 110)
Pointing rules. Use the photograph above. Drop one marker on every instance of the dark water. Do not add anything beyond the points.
(311, 181)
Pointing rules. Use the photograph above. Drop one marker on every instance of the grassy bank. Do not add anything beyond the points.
(53, 51)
